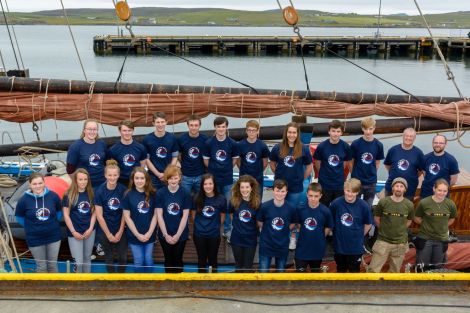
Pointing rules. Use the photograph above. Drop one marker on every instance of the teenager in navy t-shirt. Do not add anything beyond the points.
(162, 149)
(276, 218)
(89, 152)
(39, 211)
(172, 204)
(127, 152)
(291, 161)
(243, 208)
(141, 219)
(108, 207)
(352, 220)
(80, 217)
(254, 154)
(208, 214)
(315, 222)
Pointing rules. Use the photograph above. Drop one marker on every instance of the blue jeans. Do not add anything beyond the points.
(294, 198)
(143, 257)
(265, 263)
(191, 183)
(227, 192)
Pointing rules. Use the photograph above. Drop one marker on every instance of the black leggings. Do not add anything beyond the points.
(243, 258)
(207, 250)
(119, 248)
(173, 256)
(302, 265)
(348, 263)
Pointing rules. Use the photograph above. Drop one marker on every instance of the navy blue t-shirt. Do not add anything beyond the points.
(220, 155)
(80, 212)
(173, 205)
(207, 223)
(91, 157)
(436, 167)
(332, 157)
(274, 238)
(406, 164)
(40, 217)
(160, 150)
(312, 243)
(290, 169)
(191, 150)
(111, 202)
(127, 156)
(365, 153)
(141, 213)
(349, 220)
(244, 225)
(251, 158)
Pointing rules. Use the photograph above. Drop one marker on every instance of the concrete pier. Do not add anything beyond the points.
(281, 45)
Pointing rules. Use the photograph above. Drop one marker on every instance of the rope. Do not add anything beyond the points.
(459, 135)
(11, 236)
(16, 39)
(73, 39)
(9, 34)
(3, 62)
(449, 73)
(6, 181)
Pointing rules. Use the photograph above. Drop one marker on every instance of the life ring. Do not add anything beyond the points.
(313, 148)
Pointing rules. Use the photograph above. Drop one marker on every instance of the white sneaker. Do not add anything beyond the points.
(293, 243)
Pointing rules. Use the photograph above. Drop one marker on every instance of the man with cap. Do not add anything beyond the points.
(392, 216)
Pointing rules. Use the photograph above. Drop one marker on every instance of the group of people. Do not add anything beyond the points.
(133, 193)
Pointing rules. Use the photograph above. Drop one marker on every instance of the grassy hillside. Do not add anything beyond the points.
(224, 17)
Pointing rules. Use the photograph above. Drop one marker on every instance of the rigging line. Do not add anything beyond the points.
(73, 39)
(377, 34)
(14, 36)
(373, 74)
(450, 74)
(119, 78)
(204, 67)
(9, 34)
(3, 62)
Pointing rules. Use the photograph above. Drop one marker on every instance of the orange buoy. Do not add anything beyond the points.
(290, 15)
(123, 11)
(56, 184)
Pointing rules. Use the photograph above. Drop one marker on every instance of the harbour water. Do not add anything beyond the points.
(48, 52)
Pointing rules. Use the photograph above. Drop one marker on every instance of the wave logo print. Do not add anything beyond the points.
(193, 152)
(114, 203)
(251, 157)
(221, 155)
(244, 216)
(84, 207)
(347, 219)
(289, 161)
(173, 208)
(333, 160)
(161, 152)
(367, 158)
(277, 223)
(310, 223)
(128, 160)
(208, 211)
(43, 214)
(434, 168)
(143, 207)
(403, 164)
(94, 159)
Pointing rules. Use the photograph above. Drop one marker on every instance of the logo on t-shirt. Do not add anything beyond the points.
(434, 168)
(403, 164)
(193, 152)
(347, 219)
(143, 207)
(208, 211)
(128, 160)
(251, 157)
(289, 161)
(113, 203)
(333, 160)
(173, 208)
(277, 223)
(367, 158)
(84, 207)
(43, 214)
(94, 159)
(244, 216)
(221, 155)
(310, 223)
(161, 152)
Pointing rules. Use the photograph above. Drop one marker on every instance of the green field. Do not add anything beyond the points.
(223, 17)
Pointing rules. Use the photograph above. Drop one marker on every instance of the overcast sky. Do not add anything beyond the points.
(346, 6)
